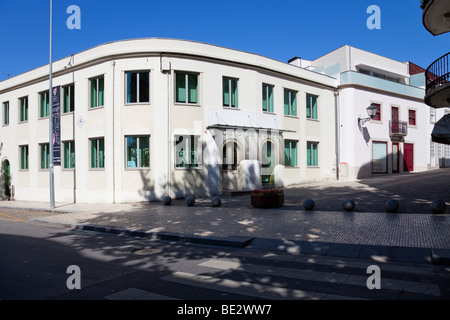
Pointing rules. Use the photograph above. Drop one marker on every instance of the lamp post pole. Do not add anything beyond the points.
(50, 120)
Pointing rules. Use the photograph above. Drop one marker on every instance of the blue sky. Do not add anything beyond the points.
(278, 29)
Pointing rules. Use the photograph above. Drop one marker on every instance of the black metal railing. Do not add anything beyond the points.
(438, 73)
(423, 3)
(398, 128)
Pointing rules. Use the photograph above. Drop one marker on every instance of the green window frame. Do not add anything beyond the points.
(5, 113)
(44, 149)
(97, 92)
(97, 153)
(187, 151)
(137, 87)
(44, 105)
(311, 106)
(290, 153)
(24, 157)
(230, 92)
(23, 109)
(290, 102)
(69, 98)
(69, 154)
(312, 154)
(186, 88)
(267, 98)
(137, 152)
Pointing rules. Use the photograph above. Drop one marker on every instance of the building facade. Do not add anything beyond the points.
(145, 118)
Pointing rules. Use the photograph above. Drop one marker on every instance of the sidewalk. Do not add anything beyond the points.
(414, 234)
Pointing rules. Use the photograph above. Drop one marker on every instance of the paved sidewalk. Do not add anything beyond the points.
(415, 233)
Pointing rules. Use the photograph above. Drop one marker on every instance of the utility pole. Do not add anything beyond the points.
(50, 120)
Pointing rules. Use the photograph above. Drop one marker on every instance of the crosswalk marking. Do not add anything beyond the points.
(136, 294)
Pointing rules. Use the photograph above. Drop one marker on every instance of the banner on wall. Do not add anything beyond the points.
(56, 116)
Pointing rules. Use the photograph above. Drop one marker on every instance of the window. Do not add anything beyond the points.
(97, 153)
(290, 102)
(377, 116)
(311, 106)
(69, 98)
(97, 94)
(186, 87)
(230, 92)
(290, 153)
(23, 109)
(187, 151)
(6, 113)
(23, 157)
(412, 117)
(229, 156)
(432, 115)
(69, 154)
(44, 105)
(379, 157)
(138, 87)
(45, 155)
(312, 154)
(267, 98)
(138, 151)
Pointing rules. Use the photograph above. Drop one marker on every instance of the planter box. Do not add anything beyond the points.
(267, 200)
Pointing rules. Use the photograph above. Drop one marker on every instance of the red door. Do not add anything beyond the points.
(408, 155)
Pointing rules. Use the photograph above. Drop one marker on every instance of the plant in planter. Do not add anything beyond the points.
(272, 198)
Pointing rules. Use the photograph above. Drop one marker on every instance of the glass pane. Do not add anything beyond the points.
(144, 152)
(315, 159)
(264, 98)
(308, 106)
(93, 93)
(180, 152)
(270, 99)
(234, 93)
(132, 152)
(293, 153)
(379, 156)
(287, 154)
(72, 98)
(94, 154)
(293, 104)
(192, 83)
(131, 87)
(314, 107)
(226, 92)
(180, 80)
(286, 102)
(101, 153)
(101, 91)
(144, 87)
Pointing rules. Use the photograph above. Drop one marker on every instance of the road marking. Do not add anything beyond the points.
(136, 294)
(12, 217)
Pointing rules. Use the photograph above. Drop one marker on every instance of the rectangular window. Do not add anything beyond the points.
(69, 98)
(377, 116)
(44, 104)
(69, 154)
(311, 106)
(230, 92)
(23, 109)
(290, 153)
(97, 94)
(412, 117)
(187, 151)
(138, 151)
(267, 98)
(6, 113)
(23, 157)
(186, 86)
(138, 87)
(97, 153)
(379, 157)
(45, 155)
(312, 154)
(290, 102)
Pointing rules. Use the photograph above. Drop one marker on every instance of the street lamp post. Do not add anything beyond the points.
(50, 97)
(371, 111)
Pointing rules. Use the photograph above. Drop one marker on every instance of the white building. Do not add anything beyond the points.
(140, 119)
(398, 138)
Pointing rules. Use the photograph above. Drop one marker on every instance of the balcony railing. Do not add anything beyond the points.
(438, 73)
(398, 128)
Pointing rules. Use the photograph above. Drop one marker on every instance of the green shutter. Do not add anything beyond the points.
(226, 92)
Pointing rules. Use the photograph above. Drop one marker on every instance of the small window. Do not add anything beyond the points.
(230, 92)
(138, 87)
(377, 116)
(290, 102)
(138, 152)
(290, 153)
(23, 109)
(69, 154)
(187, 151)
(312, 154)
(69, 98)
(45, 155)
(186, 87)
(311, 106)
(24, 157)
(97, 92)
(44, 105)
(6, 113)
(230, 156)
(97, 153)
(412, 117)
(267, 98)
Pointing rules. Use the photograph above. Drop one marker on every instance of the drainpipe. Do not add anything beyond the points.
(114, 131)
(336, 115)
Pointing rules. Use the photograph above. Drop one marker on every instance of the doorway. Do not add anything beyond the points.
(395, 157)
(268, 161)
(6, 179)
(408, 155)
